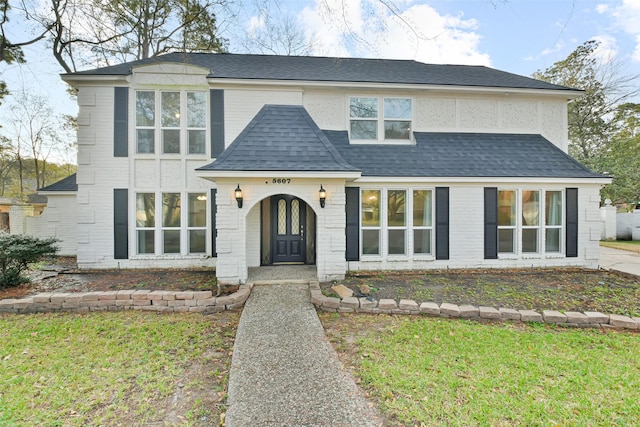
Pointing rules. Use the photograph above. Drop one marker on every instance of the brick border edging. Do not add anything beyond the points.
(589, 319)
(161, 301)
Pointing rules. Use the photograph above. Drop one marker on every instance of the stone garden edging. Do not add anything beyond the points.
(162, 301)
(204, 302)
(589, 319)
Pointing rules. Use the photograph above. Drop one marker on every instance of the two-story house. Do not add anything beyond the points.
(238, 161)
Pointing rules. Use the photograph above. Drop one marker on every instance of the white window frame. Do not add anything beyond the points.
(159, 227)
(158, 129)
(384, 227)
(541, 226)
(380, 120)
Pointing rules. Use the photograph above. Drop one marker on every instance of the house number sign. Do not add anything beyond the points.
(281, 181)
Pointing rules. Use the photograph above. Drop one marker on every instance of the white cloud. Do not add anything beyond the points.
(607, 51)
(626, 16)
(415, 31)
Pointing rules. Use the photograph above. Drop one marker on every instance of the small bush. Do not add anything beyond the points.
(17, 252)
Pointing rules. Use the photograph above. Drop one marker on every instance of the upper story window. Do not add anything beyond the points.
(373, 118)
(181, 127)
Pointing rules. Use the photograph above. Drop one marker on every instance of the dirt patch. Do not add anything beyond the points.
(534, 289)
(62, 275)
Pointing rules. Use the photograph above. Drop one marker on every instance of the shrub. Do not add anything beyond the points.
(17, 252)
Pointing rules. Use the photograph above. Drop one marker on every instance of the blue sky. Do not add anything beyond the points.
(518, 36)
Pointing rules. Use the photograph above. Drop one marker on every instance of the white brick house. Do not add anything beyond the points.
(421, 166)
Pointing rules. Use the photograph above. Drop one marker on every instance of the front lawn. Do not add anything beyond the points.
(625, 245)
(433, 372)
(125, 368)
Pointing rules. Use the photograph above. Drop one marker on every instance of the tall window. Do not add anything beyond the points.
(145, 121)
(422, 221)
(522, 227)
(397, 222)
(372, 117)
(176, 133)
(174, 232)
(371, 224)
(146, 222)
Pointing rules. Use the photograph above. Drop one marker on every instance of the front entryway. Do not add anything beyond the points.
(288, 229)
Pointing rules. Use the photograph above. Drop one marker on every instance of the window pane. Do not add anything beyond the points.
(145, 108)
(196, 109)
(363, 108)
(506, 208)
(421, 241)
(171, 209)
(396, 208)
(170, 109)
(397, 130)
(530, 207)
(397, 108)
(370, 242)
(171, 241)
(146, 242)
(145, 210)
(396, 242)
(364, 129)
(530, 240)
(295, 217)
(145, 140)
(371, 208)
(170, 141)
(506, 240)
(197, 241)
(552, 240)
(282, 217)
(197, 141)
(422, 208)
(197, 210)
(553, 209)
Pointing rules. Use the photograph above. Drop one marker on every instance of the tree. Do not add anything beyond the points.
(605, 87)
(100, 32)
(11, 52)
(36, 134)
(622, 159)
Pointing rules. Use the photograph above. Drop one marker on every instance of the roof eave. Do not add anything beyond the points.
(211, 175)
(487, 179)
(568, 93)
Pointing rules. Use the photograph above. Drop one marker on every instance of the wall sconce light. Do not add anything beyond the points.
(238, 194)
(323, 196)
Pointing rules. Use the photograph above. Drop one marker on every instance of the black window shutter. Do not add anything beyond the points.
(214, 231)
(120, 223)
(353, 223)
(572, 222)
(442, 222)
(490, 223)
(121, 122)
(217, 121)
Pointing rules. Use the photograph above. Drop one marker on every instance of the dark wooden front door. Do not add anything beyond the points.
(288, 220)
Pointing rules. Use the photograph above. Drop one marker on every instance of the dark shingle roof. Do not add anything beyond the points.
(281, 138)
(309, 68)
(438, 154)
(65, 184)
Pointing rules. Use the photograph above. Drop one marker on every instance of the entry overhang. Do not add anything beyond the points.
(212, 175)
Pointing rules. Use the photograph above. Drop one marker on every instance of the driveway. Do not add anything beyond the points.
(615, 259)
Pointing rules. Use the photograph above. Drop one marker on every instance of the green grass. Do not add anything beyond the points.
(460, 373)
(96, 369)
(625, 245)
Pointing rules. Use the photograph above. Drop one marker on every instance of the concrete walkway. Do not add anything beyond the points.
(284, 371)
(615, 259)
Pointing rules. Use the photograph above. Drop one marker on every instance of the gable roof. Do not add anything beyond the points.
(439, 154)
(326, 69)
(281, 138)
(65, 184)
